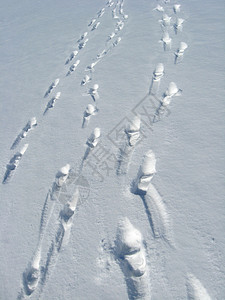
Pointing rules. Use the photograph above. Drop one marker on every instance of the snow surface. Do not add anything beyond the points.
(186, 195)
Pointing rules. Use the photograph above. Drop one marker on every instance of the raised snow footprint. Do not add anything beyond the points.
(52, 86)
(32, 123)
(131, 255)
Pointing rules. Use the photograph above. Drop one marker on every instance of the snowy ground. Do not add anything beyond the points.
(182, 216)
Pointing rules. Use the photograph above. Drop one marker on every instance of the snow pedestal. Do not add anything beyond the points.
(90, 111)
(52, 86)
(167, 41)
(146, 172)
(70, 207)
(180, 52)
(30, 125)
(165, 21)
(62, 175)
(94, 92)
(176, 8)
(133, 131)
(156, 78)
(14, 162)
(132, 258)
(178, 26)
(85, 80)
(94, 138)
(32, 276)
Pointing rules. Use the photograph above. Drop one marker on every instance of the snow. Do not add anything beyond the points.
(181, 217)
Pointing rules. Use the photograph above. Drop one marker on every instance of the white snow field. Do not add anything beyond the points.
(63, 199)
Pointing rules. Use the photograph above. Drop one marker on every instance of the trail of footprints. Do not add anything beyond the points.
(81, 43)
(130, 249)
(40, 267)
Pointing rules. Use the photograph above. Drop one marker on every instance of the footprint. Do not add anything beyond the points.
(32, 123)
(85, 80)
(94, 92)
(165, 21)
(178, 25)
(73, 54)
(145, 173)
(132, 132)
(82, 37)
(90, 111)
(73, 67)
(117, 41)
(166, 40)
(14, 163)
(111, 36)
(179, 54)
(51, 103)
(101, 12)
(94, 138)
(91, 66)
(52, 86)
(82, 44)
(156, 78)
(32, 276)
(171, 91)
(102, 54)
(159, 8)
(95, 26)
(176, 8)
(131, 255)
(92, 22)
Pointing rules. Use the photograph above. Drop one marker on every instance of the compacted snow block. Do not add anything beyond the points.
(133, 131)
(131, 254)
(195, 289)
(13, 163)
(145, 173)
